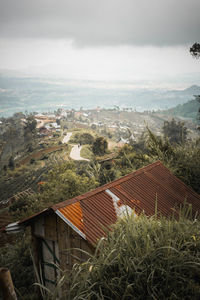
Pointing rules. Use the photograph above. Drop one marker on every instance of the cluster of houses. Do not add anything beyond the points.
(47, 125)
(100, 119)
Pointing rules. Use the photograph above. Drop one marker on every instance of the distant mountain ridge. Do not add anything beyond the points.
(42, 94)
(194, 89)
(187, 110)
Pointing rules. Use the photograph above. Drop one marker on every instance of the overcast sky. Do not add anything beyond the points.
(100, 39)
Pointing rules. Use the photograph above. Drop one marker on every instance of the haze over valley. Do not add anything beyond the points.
(33, 94)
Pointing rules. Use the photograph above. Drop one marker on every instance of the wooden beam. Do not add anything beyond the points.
(6, 285)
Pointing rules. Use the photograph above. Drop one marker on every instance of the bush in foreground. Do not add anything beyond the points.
(143, 258)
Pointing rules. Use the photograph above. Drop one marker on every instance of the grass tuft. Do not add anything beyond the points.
(143, 258)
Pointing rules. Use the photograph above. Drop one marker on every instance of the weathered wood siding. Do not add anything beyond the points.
(60, 238)
(50, 227)
(69, 239)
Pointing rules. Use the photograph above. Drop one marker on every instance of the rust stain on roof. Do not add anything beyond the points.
(74, 214)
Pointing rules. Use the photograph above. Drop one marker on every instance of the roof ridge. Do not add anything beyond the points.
(106, 186)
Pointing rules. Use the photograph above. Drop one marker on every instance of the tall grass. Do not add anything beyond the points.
(142, 258)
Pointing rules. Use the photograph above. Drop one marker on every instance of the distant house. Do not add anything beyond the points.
(53, 125)
(43, 131)
(40, 117)
(77, 114)
(80, 222)
(124, 141)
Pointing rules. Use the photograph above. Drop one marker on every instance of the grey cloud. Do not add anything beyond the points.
(103, 22)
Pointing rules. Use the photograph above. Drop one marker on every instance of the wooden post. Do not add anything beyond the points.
(6, 285)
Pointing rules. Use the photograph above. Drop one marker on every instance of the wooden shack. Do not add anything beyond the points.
(58, 231)
(51, 240)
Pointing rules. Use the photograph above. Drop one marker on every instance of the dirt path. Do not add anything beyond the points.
(112, 145)
(75, 153)
(67, 137)
(40, 124)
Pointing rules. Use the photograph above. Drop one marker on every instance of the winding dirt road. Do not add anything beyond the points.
(67, 137)
(76, 149)
(75, 153)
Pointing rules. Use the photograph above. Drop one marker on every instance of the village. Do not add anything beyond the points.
(70, 175)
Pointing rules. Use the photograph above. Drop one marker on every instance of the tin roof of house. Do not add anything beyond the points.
(141, 191)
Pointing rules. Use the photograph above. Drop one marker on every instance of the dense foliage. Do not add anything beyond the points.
(16, 257)
(195, 50)
(176, 132)
(83, 138)
(63, 182)
(187, 110)
(143, 258)
(182, 159)
(99, 146)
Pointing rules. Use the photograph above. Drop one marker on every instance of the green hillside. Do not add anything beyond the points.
(187, 110)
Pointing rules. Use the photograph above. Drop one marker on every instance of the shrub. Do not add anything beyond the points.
(18, 260)
(32, 161)
(143, 258)
(83, 138)
(11, 163)
(100, 146)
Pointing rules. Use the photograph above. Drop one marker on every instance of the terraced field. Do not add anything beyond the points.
(14, 185)
(39, 154)
(29, 178)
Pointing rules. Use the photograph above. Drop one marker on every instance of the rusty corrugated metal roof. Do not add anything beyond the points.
(92, 213)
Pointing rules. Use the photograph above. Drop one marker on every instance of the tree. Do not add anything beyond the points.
(182, 159)
(195, 50)
(99, 146)
(30, 129)
(83, 138)
(94, 126)
(58, 121)
(198, 115)
(62, 183)
(11, 163)
(31, 124)
(108, 172)
(176, 132)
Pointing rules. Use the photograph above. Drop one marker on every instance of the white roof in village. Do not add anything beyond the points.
(125, 141)
(51, 116)
(39, 115)
(54, 125)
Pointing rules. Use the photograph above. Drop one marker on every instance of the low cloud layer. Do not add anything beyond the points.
(103, 22)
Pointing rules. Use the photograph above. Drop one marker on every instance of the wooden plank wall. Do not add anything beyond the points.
(68, 243)
(69, 239)
(55, 229)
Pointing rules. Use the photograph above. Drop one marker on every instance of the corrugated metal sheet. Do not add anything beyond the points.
(94, 212)
(74, 214)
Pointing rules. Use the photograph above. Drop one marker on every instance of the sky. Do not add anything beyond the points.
(113, 40)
